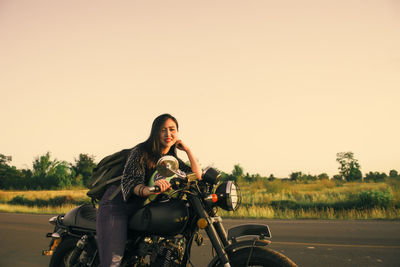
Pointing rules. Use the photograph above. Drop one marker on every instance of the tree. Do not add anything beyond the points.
(393, 174)
(4, 171)
(237, 172)
(295, 176)
(323, 176)
(337, 178)
(83, 168)
(48, 173)
(375, 176)
(4, 160)
(271, 177)
(349, 167)
(42, 165)
(10, 176)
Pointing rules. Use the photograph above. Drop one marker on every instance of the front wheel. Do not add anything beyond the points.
(260, 256)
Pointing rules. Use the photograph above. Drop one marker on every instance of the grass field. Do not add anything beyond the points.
(278, 199)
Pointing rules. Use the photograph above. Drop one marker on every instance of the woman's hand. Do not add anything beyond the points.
(181, 146)
(144, 191)
(193, 162)
(163, 184)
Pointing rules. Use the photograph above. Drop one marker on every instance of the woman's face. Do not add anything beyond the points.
(168, 134)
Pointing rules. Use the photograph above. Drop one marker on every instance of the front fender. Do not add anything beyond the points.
(259, 230)
(240, 245)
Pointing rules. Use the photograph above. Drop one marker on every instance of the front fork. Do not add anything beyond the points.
(214, 230)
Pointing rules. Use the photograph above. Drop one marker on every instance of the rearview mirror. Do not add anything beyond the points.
(167, 166)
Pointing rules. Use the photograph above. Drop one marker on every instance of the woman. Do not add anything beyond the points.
(113, 215)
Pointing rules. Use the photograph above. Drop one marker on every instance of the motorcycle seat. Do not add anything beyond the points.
(83, 216)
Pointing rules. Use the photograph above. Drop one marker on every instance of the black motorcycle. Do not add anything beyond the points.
(162, 232)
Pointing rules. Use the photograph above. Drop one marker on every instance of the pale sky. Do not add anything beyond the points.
(276, 86)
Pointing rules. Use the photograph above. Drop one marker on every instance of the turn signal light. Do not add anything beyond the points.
(47, 252)
(55, 244)
(202, 223)
(214, 198)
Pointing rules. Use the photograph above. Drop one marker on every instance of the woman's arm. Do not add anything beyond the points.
(133, 178)
(134, 173)
(193, 162)
(143, 191)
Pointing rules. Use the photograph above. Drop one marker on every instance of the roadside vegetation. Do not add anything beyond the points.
(347, 195)
(278, 199)
(324, 199)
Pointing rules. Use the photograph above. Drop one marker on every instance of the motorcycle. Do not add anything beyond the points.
(162, 232)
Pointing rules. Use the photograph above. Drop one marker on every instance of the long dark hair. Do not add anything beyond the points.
(152, 146)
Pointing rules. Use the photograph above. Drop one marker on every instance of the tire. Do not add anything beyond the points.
(63, 252)
(260, 256)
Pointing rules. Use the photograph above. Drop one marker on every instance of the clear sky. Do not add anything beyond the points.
(277, 86)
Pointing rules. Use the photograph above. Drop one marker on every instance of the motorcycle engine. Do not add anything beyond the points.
(169, 252)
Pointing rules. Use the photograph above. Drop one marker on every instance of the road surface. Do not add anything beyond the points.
(306, 242)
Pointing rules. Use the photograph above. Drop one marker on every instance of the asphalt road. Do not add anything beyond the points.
(307, 242)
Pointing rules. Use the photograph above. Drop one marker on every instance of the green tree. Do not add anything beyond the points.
(43, 165)
(224, 176)
(237, 172)
(51, 174)
(302, 177)
(375, 177)
(295, 176)
(393, 174)
(5, 170)
(10, 176)
(349, 167)
(4, 160)
(323, 176)
(83, 168)
(337, 177)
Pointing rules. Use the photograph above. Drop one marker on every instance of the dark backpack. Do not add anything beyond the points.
(108, 171)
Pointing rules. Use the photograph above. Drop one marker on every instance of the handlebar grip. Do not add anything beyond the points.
(154, 189)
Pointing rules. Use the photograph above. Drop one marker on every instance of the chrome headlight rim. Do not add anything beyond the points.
(229, 196)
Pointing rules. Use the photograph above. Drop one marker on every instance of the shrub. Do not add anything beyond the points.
(372, 199)
(18, 200)
(375, 177)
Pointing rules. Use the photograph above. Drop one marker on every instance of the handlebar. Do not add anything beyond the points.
(176, 183)
(154, 189)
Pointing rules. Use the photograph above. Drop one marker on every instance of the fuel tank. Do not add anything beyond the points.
(164, 218)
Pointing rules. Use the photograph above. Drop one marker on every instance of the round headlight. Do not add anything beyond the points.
(229, 197)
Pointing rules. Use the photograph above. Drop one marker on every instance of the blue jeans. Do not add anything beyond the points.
(112, 226)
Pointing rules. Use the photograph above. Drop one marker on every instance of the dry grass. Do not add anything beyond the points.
(323, 191)
(257, 198)
(6, 196)
(327, 214)
(35, 210)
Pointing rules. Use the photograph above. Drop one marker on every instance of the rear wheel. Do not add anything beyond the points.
(260, 256)
(63, 253)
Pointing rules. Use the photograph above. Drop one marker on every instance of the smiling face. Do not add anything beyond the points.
(168, 134)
